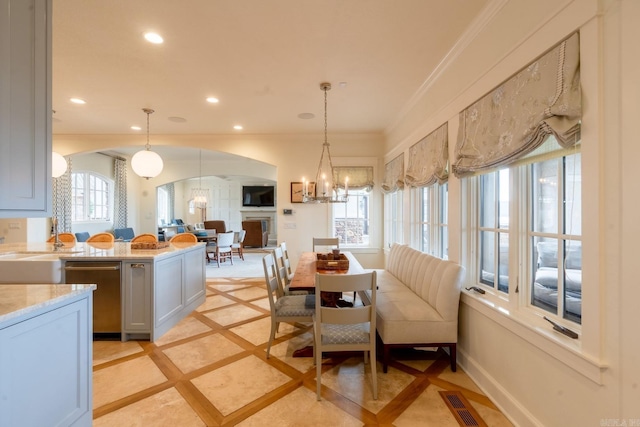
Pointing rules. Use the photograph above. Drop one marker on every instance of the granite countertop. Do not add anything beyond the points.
(96, 251)
(18, 301)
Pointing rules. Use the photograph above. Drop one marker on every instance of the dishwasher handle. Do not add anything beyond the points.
(94, 268)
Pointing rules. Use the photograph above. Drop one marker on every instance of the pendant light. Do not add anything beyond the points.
(147, 163)
(200, 195)
(58, 165)
(326, 189)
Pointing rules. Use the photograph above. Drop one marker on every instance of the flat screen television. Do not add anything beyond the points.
(258, 195)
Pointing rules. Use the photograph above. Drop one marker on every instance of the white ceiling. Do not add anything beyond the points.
(264, 60)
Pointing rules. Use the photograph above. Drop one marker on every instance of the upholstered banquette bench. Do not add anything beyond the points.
(417, 302)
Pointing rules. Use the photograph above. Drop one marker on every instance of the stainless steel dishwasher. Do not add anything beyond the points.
(107, 302)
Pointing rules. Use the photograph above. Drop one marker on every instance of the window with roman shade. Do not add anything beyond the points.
(514, 119)
(360, 177)
(393, 175)
(429, 160)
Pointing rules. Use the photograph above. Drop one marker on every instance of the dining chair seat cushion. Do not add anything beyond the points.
(293, 305)
(345, 334)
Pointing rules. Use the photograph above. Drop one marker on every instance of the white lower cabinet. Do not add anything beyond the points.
(46, 368)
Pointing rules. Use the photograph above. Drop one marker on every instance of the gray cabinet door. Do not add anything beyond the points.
(137, 297)
(25, 108)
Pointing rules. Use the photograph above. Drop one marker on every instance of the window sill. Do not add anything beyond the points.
(538, 333)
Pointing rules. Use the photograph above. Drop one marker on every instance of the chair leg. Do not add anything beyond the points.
(374, 374)
(272, 336)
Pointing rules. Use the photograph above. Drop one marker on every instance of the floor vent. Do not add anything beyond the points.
(462, 409)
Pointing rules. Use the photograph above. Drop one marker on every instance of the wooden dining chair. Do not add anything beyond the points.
(284, 308)
(63, 237)
(238, 242)
(102, 237)
(145, 237)
(184, 237)
(345, 328)
(326, 242)
(281, 266)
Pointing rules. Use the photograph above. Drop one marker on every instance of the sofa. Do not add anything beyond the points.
(256, 235)
(417, 302)
(545, 286)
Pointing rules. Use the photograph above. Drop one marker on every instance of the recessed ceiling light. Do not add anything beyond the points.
(154, 38)
(306, 116)
(237, 127)
(78, 101)
(213, 100)
(177, 119)
(136, 128)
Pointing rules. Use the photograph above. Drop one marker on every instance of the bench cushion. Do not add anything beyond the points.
(417, 298)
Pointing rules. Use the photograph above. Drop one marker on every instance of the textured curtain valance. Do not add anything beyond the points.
(393, 175)
(360, 177)
(428, 159)
(543, 99)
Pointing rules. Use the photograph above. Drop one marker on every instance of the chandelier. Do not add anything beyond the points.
(147, 163)
(200, 195)
(325, 189)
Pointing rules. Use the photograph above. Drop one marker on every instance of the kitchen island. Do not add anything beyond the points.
(45, 355)
(152, 291)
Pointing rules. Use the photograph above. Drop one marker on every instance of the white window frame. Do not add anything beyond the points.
(338, 212)
(110, 194)
(393, 218)
(161, 193)
(434, 224)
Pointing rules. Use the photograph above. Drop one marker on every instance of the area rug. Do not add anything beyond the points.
(249, 268)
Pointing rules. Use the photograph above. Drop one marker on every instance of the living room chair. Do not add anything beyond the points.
(345, 328)
(238, 242)
(257, 234)
(218, 225)
(63, 237)
(184, 237)
(124, 234)
(284, 308)
(222, 249)
(325, 242)
(82, 236)
(145, 237)
(102, 237)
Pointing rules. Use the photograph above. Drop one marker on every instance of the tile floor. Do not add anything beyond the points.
(211, 370)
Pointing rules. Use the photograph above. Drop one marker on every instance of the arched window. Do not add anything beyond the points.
(92, 197)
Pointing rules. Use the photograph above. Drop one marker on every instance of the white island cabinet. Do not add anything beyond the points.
(46, 355)
(25, 108)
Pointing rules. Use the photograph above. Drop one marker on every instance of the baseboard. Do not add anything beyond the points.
(508, 405)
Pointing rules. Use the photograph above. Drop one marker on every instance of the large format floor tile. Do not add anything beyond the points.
(211, 370)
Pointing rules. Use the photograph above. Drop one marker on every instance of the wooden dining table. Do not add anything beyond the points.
(304, 278)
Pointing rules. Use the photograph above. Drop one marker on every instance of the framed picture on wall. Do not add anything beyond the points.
(297, 190)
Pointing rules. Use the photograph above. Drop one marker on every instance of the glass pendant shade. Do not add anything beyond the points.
(147, 164)
(58, 165)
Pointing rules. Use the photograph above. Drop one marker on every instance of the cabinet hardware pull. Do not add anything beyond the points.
(109, 268)
(137, 265)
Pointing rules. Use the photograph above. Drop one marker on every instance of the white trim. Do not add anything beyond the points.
(538, 333)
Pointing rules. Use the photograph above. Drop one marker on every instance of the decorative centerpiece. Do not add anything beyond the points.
(332, 262)
(149, 245)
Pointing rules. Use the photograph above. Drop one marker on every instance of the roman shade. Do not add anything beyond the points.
(360, 177)
(393, 175)
(121, 209)
(429, 159)
(515, 118)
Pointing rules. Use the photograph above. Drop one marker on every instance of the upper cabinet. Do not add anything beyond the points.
(25, 108)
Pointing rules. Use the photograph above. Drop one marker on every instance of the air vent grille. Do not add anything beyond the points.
(462, 409)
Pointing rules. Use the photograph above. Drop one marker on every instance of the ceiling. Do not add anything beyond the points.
(263, 59)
